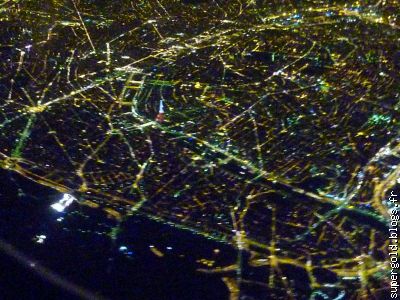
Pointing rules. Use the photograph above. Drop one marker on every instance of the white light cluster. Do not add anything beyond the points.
(64, 202)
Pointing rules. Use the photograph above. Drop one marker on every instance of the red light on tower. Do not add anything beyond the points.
(160, 116)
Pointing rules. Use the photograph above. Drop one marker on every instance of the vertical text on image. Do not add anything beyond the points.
(393, 245)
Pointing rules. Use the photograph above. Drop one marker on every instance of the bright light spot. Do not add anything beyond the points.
(40, 239)
(123, 248)
(66, 201)
(58, 207)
